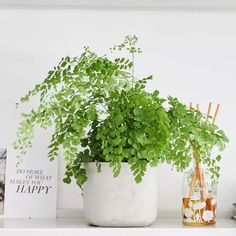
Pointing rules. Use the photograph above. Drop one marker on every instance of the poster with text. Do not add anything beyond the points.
(3, 156)
(31, 186)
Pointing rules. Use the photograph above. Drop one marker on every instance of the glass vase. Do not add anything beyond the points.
(199, 197)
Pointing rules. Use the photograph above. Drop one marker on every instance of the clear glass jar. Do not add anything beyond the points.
(199, 197)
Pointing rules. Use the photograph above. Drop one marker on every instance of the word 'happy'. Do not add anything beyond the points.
(33, 189)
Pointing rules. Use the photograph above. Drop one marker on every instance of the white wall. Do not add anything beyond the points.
(192, 55)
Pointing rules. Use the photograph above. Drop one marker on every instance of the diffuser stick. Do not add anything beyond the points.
(209, 111)
(198, 107)
(216, 113)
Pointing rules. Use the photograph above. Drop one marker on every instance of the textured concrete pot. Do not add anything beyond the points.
(119, 201)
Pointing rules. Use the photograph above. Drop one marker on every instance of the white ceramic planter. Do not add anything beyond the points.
(119, 201)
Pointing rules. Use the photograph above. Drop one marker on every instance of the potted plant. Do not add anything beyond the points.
(109, 126)
(193, 138)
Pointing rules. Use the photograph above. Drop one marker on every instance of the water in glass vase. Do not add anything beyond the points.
(199, 199)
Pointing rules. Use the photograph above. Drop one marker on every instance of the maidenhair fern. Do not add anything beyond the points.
(101, 112)
(96, 102)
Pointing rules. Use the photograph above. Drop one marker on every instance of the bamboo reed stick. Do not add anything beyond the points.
(204, 184)
(216, 113)
(201, 181)
(198, 107)
(193, 182)
(209, 111)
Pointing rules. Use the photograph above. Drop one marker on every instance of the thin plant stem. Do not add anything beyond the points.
(133, 69)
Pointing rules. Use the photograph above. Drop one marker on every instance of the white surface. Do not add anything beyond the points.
(110, 201)
(124, 3)
(77, 226)
(31, 187)
(192, 55)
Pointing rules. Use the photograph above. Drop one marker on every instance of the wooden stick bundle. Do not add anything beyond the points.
(198, 175)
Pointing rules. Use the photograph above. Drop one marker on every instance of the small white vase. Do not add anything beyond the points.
(119, 201)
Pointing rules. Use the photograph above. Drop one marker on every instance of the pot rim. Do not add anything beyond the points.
(122, 163)
(104, 162)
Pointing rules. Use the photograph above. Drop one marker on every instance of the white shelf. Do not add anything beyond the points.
(205, 4)
(78, 227)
